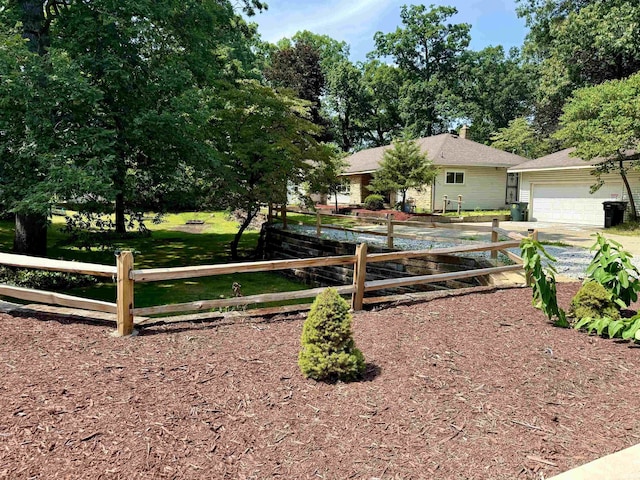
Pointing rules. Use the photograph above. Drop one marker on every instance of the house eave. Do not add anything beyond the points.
(548, 169)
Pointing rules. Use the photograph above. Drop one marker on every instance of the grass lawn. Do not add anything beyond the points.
(476, 213)
(631, 229)
(168, 247)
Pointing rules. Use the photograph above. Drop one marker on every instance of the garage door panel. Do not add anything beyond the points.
(571, 203)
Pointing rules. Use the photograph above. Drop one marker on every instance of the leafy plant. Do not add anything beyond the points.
(625, 328)
(328, 350)
(44, 280)
(544, 281)
(593, 301)
(612, 268)
(374, 202)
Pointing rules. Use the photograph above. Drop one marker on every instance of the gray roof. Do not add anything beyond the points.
(445, 149)
(556, 161)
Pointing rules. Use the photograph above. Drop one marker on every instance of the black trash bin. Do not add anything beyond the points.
(518, 210)
(613, 213)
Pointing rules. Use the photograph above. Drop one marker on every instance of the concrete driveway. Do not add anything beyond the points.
(576, 235)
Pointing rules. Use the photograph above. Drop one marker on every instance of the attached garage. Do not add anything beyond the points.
(571, 202)
(557, 189)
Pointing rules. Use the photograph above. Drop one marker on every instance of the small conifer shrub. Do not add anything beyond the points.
(593, 301)
(328, 350)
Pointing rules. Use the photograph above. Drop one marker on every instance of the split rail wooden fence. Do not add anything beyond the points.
(127, 276)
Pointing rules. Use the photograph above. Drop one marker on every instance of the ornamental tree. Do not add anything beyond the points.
(328, 350)
(403, 167)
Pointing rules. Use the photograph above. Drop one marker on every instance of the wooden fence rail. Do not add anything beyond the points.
(126, 277)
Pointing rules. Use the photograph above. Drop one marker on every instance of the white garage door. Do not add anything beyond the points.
(571, 203)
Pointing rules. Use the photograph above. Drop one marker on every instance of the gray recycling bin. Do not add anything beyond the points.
(518, 210)
(613, 213)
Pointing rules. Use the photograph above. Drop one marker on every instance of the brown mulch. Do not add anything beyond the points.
(478, 386)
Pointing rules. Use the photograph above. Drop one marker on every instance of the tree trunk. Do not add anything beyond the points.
(34, 25)
(238, 235)
(30, 235)
(31, 230)
(120, 220)
(634, 212)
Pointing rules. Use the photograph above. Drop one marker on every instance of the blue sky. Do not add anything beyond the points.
(494, 22)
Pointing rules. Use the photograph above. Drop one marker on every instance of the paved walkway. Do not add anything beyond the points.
(623, 465)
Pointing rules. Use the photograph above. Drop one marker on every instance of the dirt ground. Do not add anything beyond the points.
(478, 386)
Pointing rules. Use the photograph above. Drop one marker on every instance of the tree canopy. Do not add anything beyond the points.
(603, 121)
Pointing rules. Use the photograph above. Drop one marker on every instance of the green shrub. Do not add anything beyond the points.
(44, 280)
(593, 301)
(374, 202)
(328, 350)
(611, 267)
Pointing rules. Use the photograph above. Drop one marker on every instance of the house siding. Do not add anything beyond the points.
(422, 199)
(578, 176)
(484, 188)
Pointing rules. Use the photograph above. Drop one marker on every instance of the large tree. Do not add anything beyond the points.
(521, 138)
(381, 119)
(493, 89)
(269, 141)
(578, 43)
(403, 167)
(297, 68)
(604, 122)
(161, 67)
(428, 50)
(50, 145)
(121, 92)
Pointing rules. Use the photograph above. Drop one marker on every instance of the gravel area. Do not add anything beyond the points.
(571, 262)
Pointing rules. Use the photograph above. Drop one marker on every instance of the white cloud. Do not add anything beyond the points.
(336, 18)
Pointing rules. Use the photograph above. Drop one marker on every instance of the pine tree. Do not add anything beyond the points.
(328, 350)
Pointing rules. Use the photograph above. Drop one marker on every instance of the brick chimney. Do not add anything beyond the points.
(464, 131)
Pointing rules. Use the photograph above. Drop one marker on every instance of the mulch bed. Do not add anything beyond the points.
(478, 386)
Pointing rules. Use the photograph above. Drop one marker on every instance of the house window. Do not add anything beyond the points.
(344, 188)
(454, 178)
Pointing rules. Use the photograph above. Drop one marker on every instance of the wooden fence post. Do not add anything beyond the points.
(444, 204)
(389, 230)
(283, 209)
(124, 302)
(459, 203)
(359, 276)
(495, 223)
(318, 224)
(270, 213)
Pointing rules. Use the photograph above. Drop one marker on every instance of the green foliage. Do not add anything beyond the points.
(612, 268)
(495, 88)
(593, 301)
(328, 351)
(44, 280)
(403, 167)
(427, 48)
(521, 138)
(578, 43)
(374, 202)
(324, 176)
(544, 281)
(625, 328)
(269, 142)
(604, 122)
